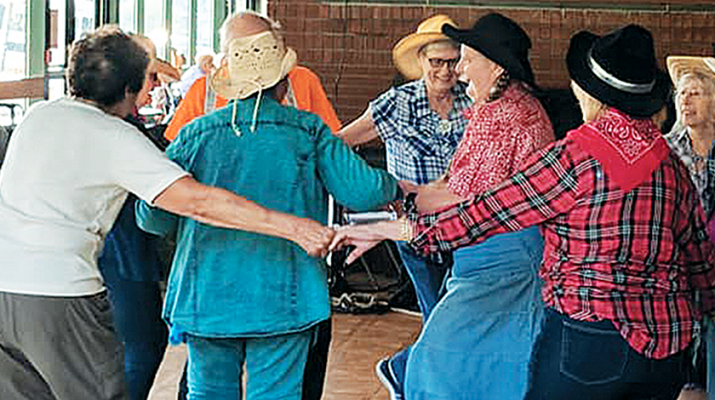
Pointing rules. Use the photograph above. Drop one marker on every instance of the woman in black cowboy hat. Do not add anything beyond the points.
(478, 339)
(625, 243)
(485, 323)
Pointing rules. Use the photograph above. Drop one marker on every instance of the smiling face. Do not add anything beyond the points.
(481, 72)
(438, 61)
(694, 100)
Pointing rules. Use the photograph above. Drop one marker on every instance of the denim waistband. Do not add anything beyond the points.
(508, 252)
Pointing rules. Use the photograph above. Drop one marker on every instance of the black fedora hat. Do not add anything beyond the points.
(619, 69)
(501, 40)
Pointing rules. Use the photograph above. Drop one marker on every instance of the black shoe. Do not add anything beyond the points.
(387, 377)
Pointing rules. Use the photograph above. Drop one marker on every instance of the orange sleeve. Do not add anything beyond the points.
(310, 96)
(190, 107)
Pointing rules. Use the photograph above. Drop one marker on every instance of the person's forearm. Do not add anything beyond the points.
(360, 131)
(435, 197)
(154, 220)
(222, 208)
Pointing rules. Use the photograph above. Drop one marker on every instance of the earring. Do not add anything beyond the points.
(499, 86)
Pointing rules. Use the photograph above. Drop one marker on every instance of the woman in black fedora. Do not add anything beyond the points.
(625, 243)
(477, 340)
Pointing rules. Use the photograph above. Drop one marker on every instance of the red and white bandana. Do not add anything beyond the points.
(628, 149)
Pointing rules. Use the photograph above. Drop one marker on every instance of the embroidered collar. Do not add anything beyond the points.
(421, 102)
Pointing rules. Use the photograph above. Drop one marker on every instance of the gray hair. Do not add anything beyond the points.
(708, 82)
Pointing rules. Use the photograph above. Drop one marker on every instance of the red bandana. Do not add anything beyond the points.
(628, 149)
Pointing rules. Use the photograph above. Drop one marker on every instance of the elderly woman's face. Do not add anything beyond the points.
(480, 71)
(438, 67)
(695, 103)
(151, 80)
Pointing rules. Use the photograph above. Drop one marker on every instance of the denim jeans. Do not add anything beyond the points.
(591, 361)
(274, 366)
(315, 367)
(477, 342)
(427, 275)
(137, 314)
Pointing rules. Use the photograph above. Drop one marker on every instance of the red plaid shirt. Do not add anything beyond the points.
(634, 258)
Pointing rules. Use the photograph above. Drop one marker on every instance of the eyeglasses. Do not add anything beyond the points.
(441, 62)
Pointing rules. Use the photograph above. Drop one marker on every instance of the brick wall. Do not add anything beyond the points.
(349, 45)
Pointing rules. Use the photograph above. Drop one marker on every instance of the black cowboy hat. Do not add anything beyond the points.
(619, 70)
(501, 40)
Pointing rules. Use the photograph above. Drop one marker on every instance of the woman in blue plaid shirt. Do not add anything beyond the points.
(692, 139)
(421, 123)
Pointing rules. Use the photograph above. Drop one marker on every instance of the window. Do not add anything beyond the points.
(127, 15)
(12, 39)
(84, 11)
(205, 26)
(180, 28)
(58, 47)
(154, 18)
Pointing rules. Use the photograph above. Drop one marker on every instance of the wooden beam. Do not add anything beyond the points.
(28, 88)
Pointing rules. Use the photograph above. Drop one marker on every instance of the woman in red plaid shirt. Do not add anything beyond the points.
(626, 252)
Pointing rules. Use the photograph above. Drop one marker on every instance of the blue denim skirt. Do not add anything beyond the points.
(477, 342)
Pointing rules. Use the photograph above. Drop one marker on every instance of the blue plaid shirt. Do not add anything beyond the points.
(419, 143)
(702, 169)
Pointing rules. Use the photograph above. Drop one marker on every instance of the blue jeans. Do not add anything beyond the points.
(591, 361)
(137, 315)
(315, 367)
(477, 342)
(275, 366)
(427, 275)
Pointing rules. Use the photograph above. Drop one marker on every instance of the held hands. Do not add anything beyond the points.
(317, 240)
(365, 237)
(313, 237)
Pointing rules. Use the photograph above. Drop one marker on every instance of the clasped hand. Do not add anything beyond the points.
(364, 237)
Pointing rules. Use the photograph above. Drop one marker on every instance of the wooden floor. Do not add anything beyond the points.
(359, 341)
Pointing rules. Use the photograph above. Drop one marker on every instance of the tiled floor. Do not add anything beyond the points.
(359, 341)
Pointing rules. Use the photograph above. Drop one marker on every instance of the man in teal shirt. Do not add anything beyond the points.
(237, 297)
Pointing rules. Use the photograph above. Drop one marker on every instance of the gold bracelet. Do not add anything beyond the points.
(405, 229)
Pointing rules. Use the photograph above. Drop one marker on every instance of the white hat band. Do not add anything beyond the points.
(609, 79)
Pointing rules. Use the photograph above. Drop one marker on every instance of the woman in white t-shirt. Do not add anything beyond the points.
(59, 200)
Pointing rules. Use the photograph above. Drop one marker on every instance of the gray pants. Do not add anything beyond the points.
(59, 348)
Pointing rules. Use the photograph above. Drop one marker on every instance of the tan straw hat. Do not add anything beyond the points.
(681, 65)
(405, 52)
(255, 63)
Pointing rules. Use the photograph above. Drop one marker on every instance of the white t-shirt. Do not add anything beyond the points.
(65, 177)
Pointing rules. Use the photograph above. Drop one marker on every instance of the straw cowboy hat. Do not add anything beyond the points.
(681, 65)
(501, 40)
(255, 63)
(620, 70)
(165, 72)
(405, 52)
